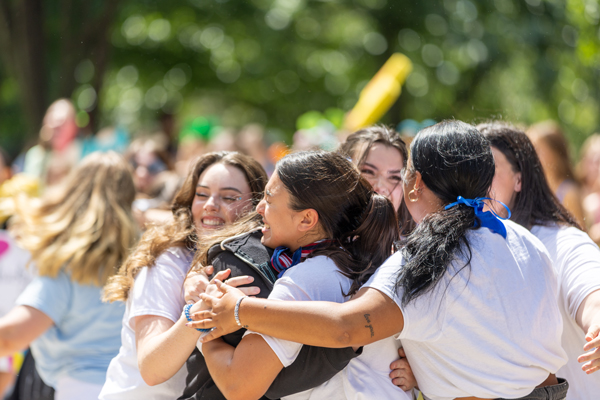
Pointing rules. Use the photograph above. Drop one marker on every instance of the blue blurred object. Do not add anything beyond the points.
(115, 139)
(410, 127)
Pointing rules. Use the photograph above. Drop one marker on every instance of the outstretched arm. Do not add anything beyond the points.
(370, 316)
(588, 318)
(21, 326)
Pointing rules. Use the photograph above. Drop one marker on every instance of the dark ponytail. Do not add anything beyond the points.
(363, 225)
(454, 159)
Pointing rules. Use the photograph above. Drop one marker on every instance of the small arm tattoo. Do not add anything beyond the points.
(369, 326)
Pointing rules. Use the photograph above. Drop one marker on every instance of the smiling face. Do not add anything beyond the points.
(281, 223)
(222, 195)
(382, 168)
(506, 183)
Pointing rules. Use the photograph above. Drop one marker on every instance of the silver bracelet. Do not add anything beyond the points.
(236, 311)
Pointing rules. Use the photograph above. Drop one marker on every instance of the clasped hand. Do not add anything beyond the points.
(215, 302)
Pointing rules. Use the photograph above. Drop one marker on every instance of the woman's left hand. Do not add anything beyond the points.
(221, 313)
(402, 375)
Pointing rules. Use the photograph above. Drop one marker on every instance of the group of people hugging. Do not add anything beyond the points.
(449, 270)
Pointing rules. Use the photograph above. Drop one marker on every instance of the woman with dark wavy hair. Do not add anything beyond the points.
(471, 296)
(519, 182)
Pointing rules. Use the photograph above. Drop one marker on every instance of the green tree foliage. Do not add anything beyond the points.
(270, 61)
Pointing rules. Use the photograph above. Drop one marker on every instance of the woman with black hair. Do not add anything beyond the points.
(471, 297)
(520, 183)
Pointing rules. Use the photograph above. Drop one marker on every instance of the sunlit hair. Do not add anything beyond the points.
(180, 231)
(357, 147)
(85, 227)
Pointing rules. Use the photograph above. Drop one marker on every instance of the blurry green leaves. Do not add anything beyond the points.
(274, 60)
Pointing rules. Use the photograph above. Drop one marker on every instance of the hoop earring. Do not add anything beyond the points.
(413, 192)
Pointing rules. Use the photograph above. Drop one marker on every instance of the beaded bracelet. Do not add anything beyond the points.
(186, 311)
(236, 311)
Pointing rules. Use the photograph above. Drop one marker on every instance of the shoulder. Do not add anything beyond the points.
(180, 253)
(175, 257)
(317, 278)
(318, 266)
(523, 235)
(248, 246)
(568, 237)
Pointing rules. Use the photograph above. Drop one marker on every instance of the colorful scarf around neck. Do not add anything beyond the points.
(283, 259)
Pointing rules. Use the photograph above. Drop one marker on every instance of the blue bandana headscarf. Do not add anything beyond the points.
(487, 219)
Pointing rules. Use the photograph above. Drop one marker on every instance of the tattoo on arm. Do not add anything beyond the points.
(369, 326)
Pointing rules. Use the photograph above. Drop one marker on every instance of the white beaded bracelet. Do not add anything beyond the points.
(236, 311)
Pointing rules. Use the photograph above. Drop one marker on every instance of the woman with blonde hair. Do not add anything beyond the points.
(219, 189)
(77, 236)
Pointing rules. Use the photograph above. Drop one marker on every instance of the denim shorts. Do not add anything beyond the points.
(552, 392)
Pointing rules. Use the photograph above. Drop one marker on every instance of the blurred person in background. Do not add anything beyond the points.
(14, 277)
(77, 235)
(155, 345)
(251, 141)
(57, 151)
(380, 154)
(222, 140)
(553, 151)
(519, 183)
(588, 171)
(155, 180)
(5, 169)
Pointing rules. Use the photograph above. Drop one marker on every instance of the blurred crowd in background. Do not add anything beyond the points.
(160, 159)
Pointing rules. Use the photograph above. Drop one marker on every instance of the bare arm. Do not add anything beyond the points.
(163, 346)
(588, 318)
(244, 372)
(21, 326)
(370, 316)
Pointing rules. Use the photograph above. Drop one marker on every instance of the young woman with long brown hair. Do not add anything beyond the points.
(219, 189)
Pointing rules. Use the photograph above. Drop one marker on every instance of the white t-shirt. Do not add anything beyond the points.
(366, 376)
(14, 274)
(576, 259)
(14, 278)
(491, 330)
(157, 291)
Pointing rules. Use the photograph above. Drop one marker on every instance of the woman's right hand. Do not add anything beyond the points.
(221, 313)
(213, 290)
